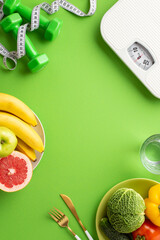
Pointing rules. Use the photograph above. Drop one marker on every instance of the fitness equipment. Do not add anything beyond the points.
(131, 29)
(11, 24)
(51, 28)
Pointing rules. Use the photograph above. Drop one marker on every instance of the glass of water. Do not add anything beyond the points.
(150, 154)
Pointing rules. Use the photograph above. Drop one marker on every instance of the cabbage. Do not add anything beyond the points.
(125, 210)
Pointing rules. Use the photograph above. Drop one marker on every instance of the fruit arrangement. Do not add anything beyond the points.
(17, 122)
(129, 216)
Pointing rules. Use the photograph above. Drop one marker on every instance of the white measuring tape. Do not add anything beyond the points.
(35, 21)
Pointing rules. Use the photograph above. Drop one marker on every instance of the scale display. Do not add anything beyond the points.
(141, 56)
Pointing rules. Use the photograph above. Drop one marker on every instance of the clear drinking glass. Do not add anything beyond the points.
(150, 154)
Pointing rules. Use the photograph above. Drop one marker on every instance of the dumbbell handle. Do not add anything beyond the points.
(26, 12)
(51, 28)
(29, 47)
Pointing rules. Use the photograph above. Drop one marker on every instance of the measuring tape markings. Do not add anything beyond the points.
(21, 41)
(35, 22)
(3, 51)
(1, 9)
(6, 54)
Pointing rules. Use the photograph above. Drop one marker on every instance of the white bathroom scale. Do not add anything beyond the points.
(132, 29)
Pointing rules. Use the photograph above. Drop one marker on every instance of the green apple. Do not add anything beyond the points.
(8, 142)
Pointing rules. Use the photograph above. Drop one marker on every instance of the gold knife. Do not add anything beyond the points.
(70, 205)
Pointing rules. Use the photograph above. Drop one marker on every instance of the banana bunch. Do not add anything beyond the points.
(18, 117)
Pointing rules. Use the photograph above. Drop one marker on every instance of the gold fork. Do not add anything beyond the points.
(62, 220)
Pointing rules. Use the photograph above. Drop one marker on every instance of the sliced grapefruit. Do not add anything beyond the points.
(15, 172)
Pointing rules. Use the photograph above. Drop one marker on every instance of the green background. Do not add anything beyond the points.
(96, 114)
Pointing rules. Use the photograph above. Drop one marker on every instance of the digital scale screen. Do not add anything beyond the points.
(141, 56)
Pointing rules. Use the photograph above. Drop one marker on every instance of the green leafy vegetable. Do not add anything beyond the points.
(125, 210)
(110, 232)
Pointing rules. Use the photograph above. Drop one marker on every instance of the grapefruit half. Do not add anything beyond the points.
(15, 172)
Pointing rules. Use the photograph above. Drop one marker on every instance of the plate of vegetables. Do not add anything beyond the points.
(130, 211)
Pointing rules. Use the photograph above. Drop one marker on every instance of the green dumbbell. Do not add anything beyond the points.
(12, 24)
(51, 28)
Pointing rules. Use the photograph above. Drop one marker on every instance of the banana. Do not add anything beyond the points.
(22, 130)
(24, 148)
(15, 106)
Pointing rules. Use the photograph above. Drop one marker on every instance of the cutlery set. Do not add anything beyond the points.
(63, 220)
